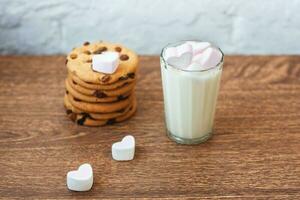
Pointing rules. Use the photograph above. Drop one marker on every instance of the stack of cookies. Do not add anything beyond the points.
(94, 98)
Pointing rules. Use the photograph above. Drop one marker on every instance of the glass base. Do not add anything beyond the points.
(189, 141)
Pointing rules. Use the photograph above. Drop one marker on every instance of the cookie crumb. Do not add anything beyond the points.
(73, 56)
(124, 57)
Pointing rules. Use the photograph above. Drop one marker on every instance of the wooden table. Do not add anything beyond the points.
(255, 152)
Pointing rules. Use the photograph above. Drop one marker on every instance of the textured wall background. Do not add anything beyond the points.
(237, 26)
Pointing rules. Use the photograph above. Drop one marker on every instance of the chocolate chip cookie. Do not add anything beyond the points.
(100, 107)
(98, 116)
(97, 97)
(79, 62)
(89, 120)
(102, 93)
(123, 81)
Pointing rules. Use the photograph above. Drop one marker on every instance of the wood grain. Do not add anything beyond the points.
(255, 152)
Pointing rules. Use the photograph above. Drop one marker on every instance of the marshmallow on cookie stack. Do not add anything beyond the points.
(100, 84)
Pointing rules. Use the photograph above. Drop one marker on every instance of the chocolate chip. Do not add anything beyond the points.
(105, 78)
(100, 50)
(87, 52)
(67, 92)
(83, 118)
(122, 78)
(74, 82)
(131, 75)
(89, 61)
(88, 116)
(111, 121)
(118, 49)
(100, 94)
(66, 62)
(81, 121)
(73, 56)
(76, 99)
(68, 111)
(121, 110)
(86, 43)
(97, 52)
(121, 97)
(124, 57)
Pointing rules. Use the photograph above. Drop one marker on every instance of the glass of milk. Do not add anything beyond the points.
(190, 98)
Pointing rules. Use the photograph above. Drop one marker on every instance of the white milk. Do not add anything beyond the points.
(190, 100)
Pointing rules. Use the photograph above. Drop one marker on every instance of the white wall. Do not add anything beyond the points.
(237, 26)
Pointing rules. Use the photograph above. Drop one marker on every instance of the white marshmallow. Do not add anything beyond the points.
(199, 47)
(210, 57)
(179, 56)
(124, 150)
(81, 179)
(106, 62)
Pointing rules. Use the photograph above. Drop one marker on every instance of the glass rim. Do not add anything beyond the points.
(181, 42)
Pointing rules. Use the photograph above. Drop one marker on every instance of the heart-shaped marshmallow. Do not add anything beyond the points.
(199, 47)
(81, 179)
(210, 57)
(179, 56)
(106, 62)
(124, 150)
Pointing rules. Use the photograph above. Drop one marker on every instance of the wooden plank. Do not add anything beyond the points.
(255, 152)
